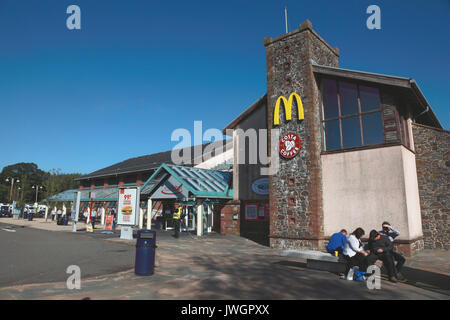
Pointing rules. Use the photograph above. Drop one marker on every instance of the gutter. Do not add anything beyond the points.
(418, 93)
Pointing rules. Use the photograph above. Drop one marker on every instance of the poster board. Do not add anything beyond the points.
(109, 222)
(128, 206)
(76, 206)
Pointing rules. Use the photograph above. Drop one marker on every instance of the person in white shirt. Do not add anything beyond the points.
(53, 214)
(58, 214)
(354, 251)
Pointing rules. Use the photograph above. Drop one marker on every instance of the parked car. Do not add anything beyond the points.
(5, 212)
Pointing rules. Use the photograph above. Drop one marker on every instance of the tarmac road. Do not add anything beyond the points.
(35, 256)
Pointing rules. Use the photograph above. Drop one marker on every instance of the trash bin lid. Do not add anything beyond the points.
(146, 234)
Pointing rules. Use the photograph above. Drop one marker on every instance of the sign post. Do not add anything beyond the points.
(128, 211)
(75, 210)
(89, 227)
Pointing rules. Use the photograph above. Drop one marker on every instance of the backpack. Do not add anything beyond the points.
(358, 275)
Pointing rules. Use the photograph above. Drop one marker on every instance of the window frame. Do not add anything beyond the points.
(257, 205)
(340, 117)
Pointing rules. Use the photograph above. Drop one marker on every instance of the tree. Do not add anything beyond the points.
(29, 174)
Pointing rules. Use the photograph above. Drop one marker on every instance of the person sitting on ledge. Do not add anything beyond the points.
(337, 243)
(381, 246)
(354, 253)
(392, 233)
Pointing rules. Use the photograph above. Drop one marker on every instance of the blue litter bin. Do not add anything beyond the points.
(66, 220)
(30, 217)
(145, 252)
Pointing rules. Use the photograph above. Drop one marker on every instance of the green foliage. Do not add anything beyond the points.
(29, 174)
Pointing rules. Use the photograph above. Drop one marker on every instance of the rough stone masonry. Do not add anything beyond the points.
(432, 147)
(296, 212)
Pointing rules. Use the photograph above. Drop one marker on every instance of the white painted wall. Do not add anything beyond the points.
(216, 160)
(412, 194)
(364, 188)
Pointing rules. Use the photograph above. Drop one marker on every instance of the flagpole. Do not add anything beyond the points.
(285, 17)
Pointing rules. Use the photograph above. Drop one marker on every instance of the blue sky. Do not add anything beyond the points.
(84, 99)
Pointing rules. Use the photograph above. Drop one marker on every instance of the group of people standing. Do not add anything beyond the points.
(380, 247)
(58, 213)
(95, 214)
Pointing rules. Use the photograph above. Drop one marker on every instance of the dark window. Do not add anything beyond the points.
(130, 179)
(370, 98)
(251, 212)
(351, 115)
(330, 98)
(348, 94)
(99, 183)
(372, 128)
(113, 181)
(351, 132)
(333, 135)
(256, 211)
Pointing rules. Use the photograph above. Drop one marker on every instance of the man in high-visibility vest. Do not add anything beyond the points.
(176, 221)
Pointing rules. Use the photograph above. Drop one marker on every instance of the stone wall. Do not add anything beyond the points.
(432, 148)
(296, 213)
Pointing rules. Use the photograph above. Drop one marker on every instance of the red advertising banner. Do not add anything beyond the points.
(109, 222)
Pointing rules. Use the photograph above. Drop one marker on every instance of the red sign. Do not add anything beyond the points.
(108, 222)
(290, 145)
(178, 189)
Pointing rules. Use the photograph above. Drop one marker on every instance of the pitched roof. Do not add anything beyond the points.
(144, 163)
(233, 124)
(408, 87)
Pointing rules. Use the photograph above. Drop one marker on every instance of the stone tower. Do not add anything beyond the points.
(296, 213)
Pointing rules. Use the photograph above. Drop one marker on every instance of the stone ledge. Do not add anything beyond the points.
(309, 254)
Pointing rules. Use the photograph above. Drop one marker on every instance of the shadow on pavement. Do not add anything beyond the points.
(427, 280)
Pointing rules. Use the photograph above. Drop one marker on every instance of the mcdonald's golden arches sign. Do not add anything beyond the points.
(288, 108)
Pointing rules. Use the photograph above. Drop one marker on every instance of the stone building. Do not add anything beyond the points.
(372, 150)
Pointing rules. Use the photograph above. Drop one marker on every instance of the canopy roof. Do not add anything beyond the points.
(201, 183)
(105, 194)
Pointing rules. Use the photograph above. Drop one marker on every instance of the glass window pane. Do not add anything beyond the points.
(251, 212)
(261, 212)
(349, 98)
(330, 99)
(372, 128)
(370, 98)
(351, 132)
(332, 135)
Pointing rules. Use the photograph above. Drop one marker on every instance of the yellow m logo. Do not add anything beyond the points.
(288, 108)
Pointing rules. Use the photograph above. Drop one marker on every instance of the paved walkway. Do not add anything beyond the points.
(231, 267)
(49, 225)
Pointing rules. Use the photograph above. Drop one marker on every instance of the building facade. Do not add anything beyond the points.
(368, 148)
(358, 165)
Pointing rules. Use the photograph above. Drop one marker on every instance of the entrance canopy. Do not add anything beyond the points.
(177, 182)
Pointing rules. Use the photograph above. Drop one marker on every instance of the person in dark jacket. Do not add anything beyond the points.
(337, 242)
(381, 246)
